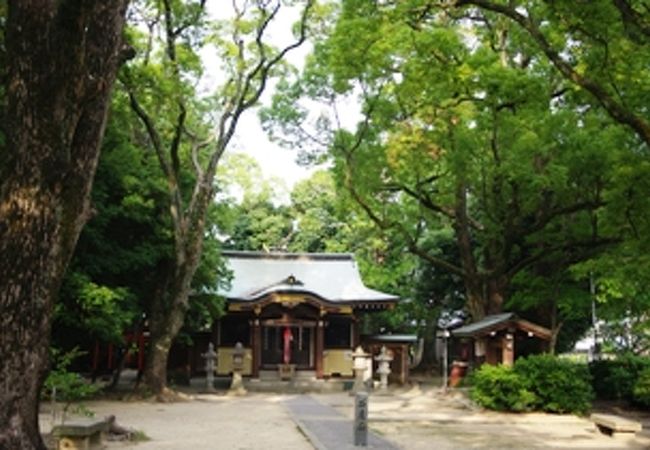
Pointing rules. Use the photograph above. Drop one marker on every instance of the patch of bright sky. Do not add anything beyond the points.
(275, 161)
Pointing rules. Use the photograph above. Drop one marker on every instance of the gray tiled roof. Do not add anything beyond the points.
(392, 338)
(334, 277)
(485, 324)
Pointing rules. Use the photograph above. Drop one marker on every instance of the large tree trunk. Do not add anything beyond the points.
(253, 70)
(476, 302)
(62, 57)
(166, 319)
(167, 312)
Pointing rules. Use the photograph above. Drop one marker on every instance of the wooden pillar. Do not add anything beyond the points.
(256, 344)
(320, 340)
(508, 348)
(356, 330)
(405, 363)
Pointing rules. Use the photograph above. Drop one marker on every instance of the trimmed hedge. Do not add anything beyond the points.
(501, 389)
(538, 382)
(641, 391)
(615, 379)
(559, 385)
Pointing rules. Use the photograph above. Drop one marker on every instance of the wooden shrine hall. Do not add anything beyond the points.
(500, 339)
(294, 312)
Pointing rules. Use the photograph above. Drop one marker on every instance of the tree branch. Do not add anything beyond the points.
(631, 18)
(244, 98)
(589, 246)
(614, 108)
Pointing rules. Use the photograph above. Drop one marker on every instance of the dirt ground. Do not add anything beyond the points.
(418, 419)
(411, 418)
(208, 422)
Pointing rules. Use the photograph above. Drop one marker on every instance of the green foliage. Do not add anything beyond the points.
(120, 251)
(559, 385)
(479, 139)
(641, 391)
(615, 379)
(500, 388)
(549, 292)
(621, 278)
(316, 208)
(139, 436)
(538, 382)
(101, 311)
(66, 386)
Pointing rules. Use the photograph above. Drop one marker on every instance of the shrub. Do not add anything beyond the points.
(641, 391)
(67, 387)
(559, 385)
(500, 388)
(615, 379)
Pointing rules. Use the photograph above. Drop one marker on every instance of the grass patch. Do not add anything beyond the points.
(139, 436)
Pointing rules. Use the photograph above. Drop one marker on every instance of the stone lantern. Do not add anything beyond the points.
(360, 366)
(383, 360)
(210, 361)
(237, 384)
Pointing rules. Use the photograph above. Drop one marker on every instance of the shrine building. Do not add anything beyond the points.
(294, 312)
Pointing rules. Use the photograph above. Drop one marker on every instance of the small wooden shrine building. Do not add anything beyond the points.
(499, 339)
(294, 311)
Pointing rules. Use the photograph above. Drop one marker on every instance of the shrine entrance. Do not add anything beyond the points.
(288, 343)
(297, 314)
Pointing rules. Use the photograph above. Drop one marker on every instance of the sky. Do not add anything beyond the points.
(250, 138)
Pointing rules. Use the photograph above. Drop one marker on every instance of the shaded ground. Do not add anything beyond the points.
(410, 418)
(206, 423)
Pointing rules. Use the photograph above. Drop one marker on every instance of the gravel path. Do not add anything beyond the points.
(412, 419)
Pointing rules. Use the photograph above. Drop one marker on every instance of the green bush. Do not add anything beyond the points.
(615, 379)
(559, 385)
(539, 382)
(67, 387)
(500, 388)
(641, 391)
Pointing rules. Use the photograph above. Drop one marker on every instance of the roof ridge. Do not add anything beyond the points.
(244, 254)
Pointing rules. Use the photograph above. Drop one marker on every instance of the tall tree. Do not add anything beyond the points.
(476, 135)
(164, 99)
(600, 46)
(259, 220)
(60, 60)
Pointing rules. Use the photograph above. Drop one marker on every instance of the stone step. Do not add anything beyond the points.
(610, 424)
(298, 375)
(297, 385)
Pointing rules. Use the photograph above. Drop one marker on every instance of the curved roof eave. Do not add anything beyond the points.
(385, 298)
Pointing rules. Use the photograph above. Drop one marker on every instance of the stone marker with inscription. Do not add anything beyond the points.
(361, 419)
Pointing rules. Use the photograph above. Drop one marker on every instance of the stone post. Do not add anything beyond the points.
(210, 360)
(237, 384)
(384, 359)
(361, 419)
(359, 365)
